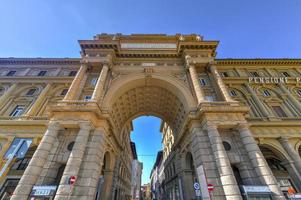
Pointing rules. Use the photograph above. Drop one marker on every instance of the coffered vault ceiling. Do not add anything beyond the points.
(148, 100)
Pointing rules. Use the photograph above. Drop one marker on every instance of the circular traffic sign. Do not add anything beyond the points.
(196, 186)
(72, 180)
(210, 187)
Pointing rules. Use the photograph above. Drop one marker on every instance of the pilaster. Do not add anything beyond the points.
(37, 163)
(75, 87)
(258, 162)
(195, 80)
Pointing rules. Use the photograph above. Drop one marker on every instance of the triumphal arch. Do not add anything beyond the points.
(228, 131)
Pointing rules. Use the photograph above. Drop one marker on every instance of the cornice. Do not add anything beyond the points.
(258, 61)
(40, 61)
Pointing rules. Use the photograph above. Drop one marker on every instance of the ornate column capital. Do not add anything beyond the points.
(283, 139)
(210, 127)
(54, 125)
(243, 126)
(85, 125)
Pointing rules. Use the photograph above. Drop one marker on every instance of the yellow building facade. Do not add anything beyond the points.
(232, 123)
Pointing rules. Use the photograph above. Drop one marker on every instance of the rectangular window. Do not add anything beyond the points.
(8, 188)
(31, 92)
(94, 81)
(17, 111)
(209, 98)
(224, 74)
(64, 92)
(233, 93)
(11, 73)
(285, 74)
(254, 74)
(18, 148)
(87, 97)
(202, 82)
(279, 111)
(72, 73)
(42, 73)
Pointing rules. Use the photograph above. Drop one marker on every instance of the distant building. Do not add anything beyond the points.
(136, 174)
(146, 192)
(156, 173)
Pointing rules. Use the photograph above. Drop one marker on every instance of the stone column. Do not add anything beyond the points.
(227, 178)
(258, 161)
(90, 170)
(221, 84)
(258, 102)
(36, 163)
(196, 83)
(106, 190)
(8, 93)
(293, 173)
(294, 101)
(98, 90)
(74, 161)
(39, 101)
(291, 152)
(75, 86)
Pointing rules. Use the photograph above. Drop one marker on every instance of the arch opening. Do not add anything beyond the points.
(127, 100)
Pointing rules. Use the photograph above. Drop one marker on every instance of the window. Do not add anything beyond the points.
(266, 93)
(233, 93)
(42, 73)
(31, 92)
(1, 90)
(279, 112)
(18, 148)
(8, 188)
(224, 74)
(209, 98)
(64, 92)
(94, 81)
(87, 97)
(72, 73)
(227, 146)
(203, 82)
(298, 92)
(17, 111)
(11, 73)
(70, 146)
(254, 74)
(285, 74)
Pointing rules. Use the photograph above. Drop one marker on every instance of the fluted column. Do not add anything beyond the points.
(8, 93)
(295, 102)
(227, 178)
(92, 164)
(258, 161)
(195, 80)
(74, 89)
(98, 90)
(220, 83)
(291, 152)
(39, 101)
(258, 102)
(36, 163)
(74, 160)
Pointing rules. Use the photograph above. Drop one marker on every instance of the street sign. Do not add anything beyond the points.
(43, 190)
(210, 187)
(72, 180)
(196, 186)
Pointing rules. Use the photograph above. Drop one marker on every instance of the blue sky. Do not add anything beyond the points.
(245, 28)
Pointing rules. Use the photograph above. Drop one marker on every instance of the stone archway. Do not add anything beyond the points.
(281, 167)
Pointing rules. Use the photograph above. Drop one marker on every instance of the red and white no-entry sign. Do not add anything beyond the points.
(72, 180)
(210, 187)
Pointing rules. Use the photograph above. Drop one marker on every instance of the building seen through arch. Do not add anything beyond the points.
(234, 124)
